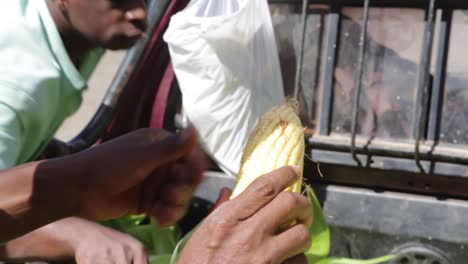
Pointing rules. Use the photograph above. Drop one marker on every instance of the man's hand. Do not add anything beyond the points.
(55, 149)
(74, 238)
(98, 244)
(148, 171)
(251, 227)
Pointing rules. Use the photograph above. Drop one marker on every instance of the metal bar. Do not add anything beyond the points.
(300, 59)
(391, 149)
(311, 93)
(418, 221)
(387, 166)
(420, 113)
(327, 93)
(437, 98)
(453, 4)
(156, 11)
(358, 81)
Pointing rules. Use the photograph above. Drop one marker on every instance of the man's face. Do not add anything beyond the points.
(112, 24)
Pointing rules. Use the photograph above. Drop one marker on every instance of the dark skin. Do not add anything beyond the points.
(88, 24)
(148, 171)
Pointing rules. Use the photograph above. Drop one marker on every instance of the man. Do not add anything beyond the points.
(151, 171)
(48, 49)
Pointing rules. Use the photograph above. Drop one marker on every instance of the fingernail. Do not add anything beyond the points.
(225, 192)
(297, 170)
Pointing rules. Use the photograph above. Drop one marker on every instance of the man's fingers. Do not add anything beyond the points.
(174, 147)
(292, 242)
(189, 170)
(120, 255)
(197, 162)
(177, 194)
(141, 259)
(139, 254)
(148, 194)
(143, 152)
(286, 208)
(263, 190)
(175, 191)
(167, 215)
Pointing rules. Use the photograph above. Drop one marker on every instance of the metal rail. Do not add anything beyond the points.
(300, 59)
(438, 88)
(420, 113)
(334, 19)
(391, 149)
(453, 4)
(358, 81)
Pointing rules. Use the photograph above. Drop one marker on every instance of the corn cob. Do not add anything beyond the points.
(276, 141)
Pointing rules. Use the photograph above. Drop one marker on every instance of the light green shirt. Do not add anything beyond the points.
(39, 85)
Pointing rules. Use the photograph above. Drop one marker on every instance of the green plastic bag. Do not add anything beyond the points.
(319, 252)
(351, 261)
(319, 231)
(160, 259)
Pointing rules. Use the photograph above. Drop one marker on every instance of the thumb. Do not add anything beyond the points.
(175, 146)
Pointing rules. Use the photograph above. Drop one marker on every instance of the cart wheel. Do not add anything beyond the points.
(416, 253)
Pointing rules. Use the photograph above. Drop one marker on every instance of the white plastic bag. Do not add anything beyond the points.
(225, 58)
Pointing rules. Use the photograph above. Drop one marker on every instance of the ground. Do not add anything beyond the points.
(98, 85)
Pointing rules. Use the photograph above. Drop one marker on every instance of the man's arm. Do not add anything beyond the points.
(74, 238)
(31, 197)
(55, 149)
(49, 243)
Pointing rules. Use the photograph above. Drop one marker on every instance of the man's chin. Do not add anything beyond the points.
(121, 43)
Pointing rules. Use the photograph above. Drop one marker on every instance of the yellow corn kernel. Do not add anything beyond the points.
(276, 141)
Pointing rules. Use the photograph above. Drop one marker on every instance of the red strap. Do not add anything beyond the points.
(131, 110)
(160, 103)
